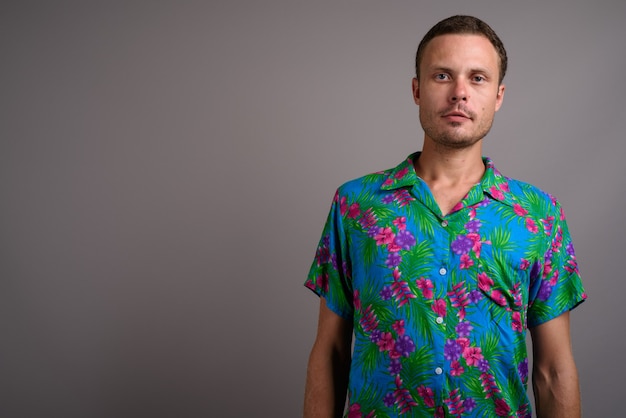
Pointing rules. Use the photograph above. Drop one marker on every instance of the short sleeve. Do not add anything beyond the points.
(557, 287)
(330, 273)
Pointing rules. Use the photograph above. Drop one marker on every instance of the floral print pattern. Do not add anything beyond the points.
(441, 304)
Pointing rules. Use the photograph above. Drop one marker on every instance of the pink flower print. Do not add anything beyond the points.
(547, 268)
(402, 173)
(388, 182)
(368, 219)
(502, 409)
(531, 225)
(402, 197)
(562, 214)
(555, 278)
(524, 264)
(459, 299)
(439, 307)
(516, 322)
(401, 290)
(439, 412)
(498, 297)
(336, 197)
(354, 211)
(472, 355)
(427, 395)
(386, 342)
(484, 282)
(323, 255)
(426, 286)
(356, 297)
(547, 225)
(400, 223)
(456, 369)
(466, 261)
(393, 247)
(523, 411)
(517, 295)
(455, 404)
(355, 411)
(472, 213)
(504, 187)
(496, 193)
(369, 320)
(476, 243)
(394, 354)
(398, 327)
(463, 342)
(384, 236)
(322, 280)
(343, 205)
(558, 241)
(488, 382)
(519, 210)
(571, 266)
(404, 400)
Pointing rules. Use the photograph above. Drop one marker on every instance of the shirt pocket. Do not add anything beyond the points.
(504, 286)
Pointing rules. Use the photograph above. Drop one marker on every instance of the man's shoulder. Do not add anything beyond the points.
(523, 191)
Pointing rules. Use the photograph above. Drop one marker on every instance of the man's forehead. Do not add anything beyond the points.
(469, 46)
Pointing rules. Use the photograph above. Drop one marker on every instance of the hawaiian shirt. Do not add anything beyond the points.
(440, 305)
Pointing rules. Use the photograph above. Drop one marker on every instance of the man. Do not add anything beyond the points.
(438, 266)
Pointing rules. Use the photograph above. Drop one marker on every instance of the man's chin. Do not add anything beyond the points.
(456, 142)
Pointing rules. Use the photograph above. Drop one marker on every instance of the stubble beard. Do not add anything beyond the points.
(449, 136)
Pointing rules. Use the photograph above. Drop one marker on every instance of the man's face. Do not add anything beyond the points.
(458, 92)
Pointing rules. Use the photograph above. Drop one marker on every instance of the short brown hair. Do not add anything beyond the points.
(458, 25)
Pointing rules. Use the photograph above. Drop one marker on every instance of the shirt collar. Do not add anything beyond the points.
(493, 184)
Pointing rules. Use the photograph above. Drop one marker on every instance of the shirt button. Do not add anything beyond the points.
(439, 320)
(443, 271)
(438, 370)
(444, 223)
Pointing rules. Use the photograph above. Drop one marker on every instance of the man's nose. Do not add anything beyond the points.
(459, 92)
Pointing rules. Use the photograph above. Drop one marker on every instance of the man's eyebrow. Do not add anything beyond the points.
(442, 69)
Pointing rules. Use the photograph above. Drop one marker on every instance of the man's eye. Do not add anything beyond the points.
(441, 77)
(479, 78)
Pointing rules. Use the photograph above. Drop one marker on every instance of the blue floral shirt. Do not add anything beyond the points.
(440, 305)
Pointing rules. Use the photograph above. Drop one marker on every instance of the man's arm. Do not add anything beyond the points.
(329, 366)
(555, 378)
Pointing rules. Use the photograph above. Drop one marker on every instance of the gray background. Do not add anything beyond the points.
(166, 169)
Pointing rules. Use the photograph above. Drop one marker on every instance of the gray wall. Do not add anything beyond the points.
(166, 168)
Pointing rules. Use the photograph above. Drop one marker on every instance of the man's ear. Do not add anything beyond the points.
(416, 91)
(500, 96)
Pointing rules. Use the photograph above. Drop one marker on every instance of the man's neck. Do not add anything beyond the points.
(450, 167)
(450, 173)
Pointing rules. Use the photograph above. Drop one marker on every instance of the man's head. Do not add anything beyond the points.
(458, 88)
(463, 25)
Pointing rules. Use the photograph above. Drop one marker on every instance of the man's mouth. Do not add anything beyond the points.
(456, 114)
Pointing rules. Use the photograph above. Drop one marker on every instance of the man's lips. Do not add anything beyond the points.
(457, 116)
